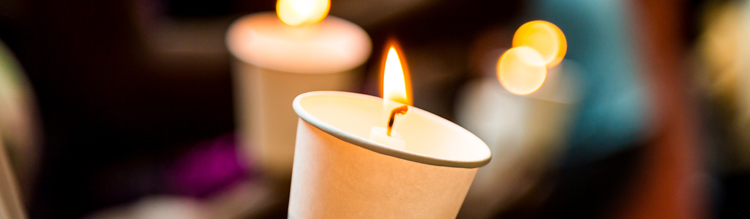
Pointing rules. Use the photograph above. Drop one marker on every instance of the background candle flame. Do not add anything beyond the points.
(545, 38)
(395, 84)
(537, 45)
(299, 12)
(521, 70)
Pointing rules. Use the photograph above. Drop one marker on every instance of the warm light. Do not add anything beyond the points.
(521, 70)
(394, 80)
(298, 12)
(545, 38)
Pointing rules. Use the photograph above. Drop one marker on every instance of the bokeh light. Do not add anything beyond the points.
(299, 12)
(521, 70)
(545, 38)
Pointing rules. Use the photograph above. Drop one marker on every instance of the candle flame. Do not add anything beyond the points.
(299, 12)
(537, 45)
(521, 70)
(545, 38)
(394, 77)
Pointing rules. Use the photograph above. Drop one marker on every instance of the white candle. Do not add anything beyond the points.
(524, 133)
(275, 62)
(340, 173)
(523, 118)
(345, 167)
(395, 101)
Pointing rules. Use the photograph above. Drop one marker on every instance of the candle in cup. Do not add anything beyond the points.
(395, 100)
(523, 118)
(342, 172)
(279, 56)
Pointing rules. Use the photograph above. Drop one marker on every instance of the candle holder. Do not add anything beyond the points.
(524, 132)
(339, 173)
(273, 63)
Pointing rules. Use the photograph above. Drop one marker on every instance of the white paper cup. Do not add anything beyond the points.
(267, 123)
(273, 63)
(524, 132)
(339, 173)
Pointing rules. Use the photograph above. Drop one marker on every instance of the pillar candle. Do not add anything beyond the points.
(274, 62)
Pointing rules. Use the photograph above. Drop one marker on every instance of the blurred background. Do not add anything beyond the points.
(125, 109)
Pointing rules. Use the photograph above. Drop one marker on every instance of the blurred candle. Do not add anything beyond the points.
(523, 118)
(544, 37)
(524, 132)
(279, 56)
(341, 172)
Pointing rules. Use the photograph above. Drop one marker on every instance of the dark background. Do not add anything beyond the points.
(126, 87)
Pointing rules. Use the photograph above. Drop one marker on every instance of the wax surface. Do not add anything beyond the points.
(428, 138)
(380, 135)
(333, 45)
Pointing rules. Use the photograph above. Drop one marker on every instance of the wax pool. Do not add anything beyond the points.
(380, 135)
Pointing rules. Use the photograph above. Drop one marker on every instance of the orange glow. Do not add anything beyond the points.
(545, 38)
(521, 70)
(299, 12)
(395, 77)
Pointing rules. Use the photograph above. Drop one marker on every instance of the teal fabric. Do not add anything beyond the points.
(614, 107)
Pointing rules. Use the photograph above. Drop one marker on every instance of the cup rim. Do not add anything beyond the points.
(380, 148)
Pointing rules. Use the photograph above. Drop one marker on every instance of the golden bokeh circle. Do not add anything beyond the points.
(545, 38)
(521, 70)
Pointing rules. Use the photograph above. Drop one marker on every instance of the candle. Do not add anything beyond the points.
(341, 172)
(524, 133)
(537, 45)
(279, 56)
(523, 118)
(395, 101)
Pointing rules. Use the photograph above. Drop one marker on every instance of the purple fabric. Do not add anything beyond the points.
(208, 167)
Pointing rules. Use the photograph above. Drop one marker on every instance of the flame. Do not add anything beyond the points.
(395, 79)
(521, 70)
(545, 38)
(299, 12)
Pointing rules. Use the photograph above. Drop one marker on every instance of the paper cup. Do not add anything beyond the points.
(273, 63)
(339, 173)
(524, 132)
(267, 123)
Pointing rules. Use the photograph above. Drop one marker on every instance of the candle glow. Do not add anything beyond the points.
(545, 38)
(299, 12)
(521, 70)
(394, 78)
(537, 45)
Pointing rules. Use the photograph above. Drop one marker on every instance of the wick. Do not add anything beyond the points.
(401, 110)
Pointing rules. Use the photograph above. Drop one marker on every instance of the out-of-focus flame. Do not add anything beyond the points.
(395, 78)
(545, 38)
(299, 12)
(521, 70)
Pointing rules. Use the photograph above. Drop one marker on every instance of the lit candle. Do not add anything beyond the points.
(279, 56)
(395, 101)
(523, 118)
(340, 172)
